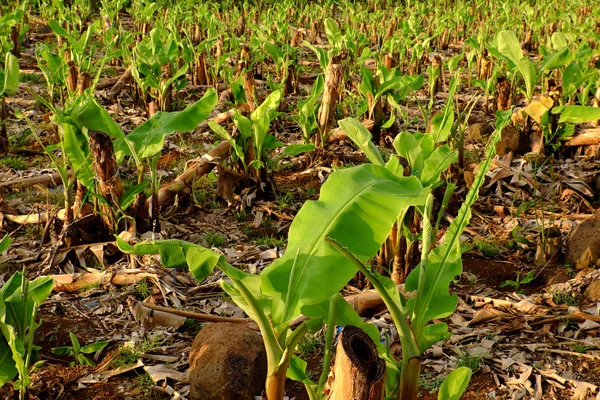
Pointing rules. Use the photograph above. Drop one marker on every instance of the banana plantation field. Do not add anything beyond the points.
(260, 200)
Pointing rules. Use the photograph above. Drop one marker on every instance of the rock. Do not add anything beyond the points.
(227, 362)
(583, 246)
(592, 292)
(478, 131)
(512, 140)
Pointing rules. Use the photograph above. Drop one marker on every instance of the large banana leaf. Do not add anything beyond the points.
(357, 208)
(444, 262)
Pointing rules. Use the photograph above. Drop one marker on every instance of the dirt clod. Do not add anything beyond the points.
(583, 247)
(227, 362)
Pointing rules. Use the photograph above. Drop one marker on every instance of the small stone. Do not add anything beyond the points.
(478, 131)
(592, 292)
(583, 246)
(227, 362)
(512, 140)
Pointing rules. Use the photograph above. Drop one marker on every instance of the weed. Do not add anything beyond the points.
(466, 360)
(142, 290)
(565, 298)
(570, 271)
(240, 216)
(308, 344)
(192, 326)
(572, 326)
(429, 382)
(581, 348)
(129, 354)
(270, 241)
(310, 191)
(518, 281)
(25, 77)
(214, 239)
(31, 231)
(14, 162)
(285, 200)
(488, 249)
(90, 287)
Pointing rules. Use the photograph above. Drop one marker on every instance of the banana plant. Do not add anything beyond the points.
(19, 302)
(362, 199)
(387, 82)
(9, 79)
(81, 47)
(155, 69)
(336, 43)
(509, 49)
(430, 281)
(308, 109)
(253, 143)
(427, 157)
(143, 144)
(7, 22)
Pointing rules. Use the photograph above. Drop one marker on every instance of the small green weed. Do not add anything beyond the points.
(581, 348)
(214, 239)
(565, 298)
(130, 354)
(518, 281)
(310, 192)
(308, 344)
(570, 270)
(14, 162)
(431, 383)
(466, 360)
(25, 77)
(90, 287)
(488, 249)
(142, 289)
(240, 216)
(270, 241)
(285, 200)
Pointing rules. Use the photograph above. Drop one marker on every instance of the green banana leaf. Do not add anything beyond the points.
(510, 48)
(577, 114)
(75, 144)
(357, 208)
(444, 262)
(455, 384)
(149, 138)
(362, 138)
(5, 243)
(16, 314)
(11, 75)
(201, 263)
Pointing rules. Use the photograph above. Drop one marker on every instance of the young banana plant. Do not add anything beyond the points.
(9, 79)
(363, 199)
(430, 281)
